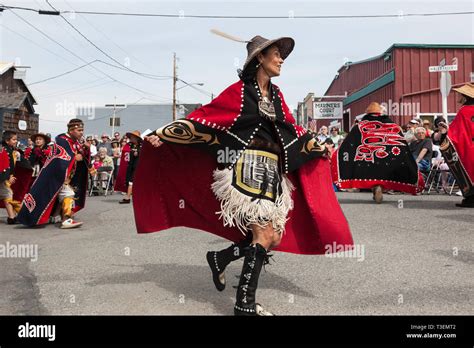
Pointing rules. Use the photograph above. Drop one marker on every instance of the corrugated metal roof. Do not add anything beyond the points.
(373, 86)
(401, 45)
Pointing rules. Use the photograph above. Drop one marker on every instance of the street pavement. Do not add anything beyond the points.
(418, 259)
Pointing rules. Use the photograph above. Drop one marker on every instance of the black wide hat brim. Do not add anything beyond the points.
(285, 46)
(46, 138)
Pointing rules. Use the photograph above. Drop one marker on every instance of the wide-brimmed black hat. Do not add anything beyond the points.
(47, 138)
(258, 43)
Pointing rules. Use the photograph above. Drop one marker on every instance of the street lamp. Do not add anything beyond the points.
(175, 89)
(191, 84)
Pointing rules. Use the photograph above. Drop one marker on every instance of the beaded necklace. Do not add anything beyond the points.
(265, 106)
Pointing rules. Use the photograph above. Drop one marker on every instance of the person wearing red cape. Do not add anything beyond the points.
(121, 182)
(376, 156)
(15, 176)
(246, 173)
(135, 145)
(457, 144)
(61, 185)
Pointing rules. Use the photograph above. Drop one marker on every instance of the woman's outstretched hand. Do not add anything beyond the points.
(154, 140)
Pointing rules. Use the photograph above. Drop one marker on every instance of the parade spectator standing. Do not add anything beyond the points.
(323, 134)
(422, 149)
(331, 146)
(335, 136)
(116, 153)
(95, 142)
(410, 133)
(427, 126)
(105, 143)
(92, 145)
(116, 137)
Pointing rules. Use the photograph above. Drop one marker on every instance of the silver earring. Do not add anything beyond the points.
(258, 65)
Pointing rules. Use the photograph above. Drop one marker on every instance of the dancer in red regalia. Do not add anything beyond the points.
(457, 144)
(15, 176)
(247, 173)
(62, 183)
(121, 181)
(39, 153)
(375, 155)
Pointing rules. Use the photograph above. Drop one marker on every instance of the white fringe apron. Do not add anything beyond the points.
(242, 210)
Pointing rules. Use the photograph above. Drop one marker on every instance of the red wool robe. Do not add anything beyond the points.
(121, 183)
(461, 134)
(172, 185)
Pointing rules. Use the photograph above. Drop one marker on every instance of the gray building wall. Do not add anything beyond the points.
(134, 117)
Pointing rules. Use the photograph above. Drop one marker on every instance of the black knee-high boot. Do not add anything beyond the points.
(255, 258)
(218, 260)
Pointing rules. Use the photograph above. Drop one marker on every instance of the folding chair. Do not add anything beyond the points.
(101, 182)
(429, 177)
(437, 179)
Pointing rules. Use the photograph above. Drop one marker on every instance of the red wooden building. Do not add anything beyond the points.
(400, 79)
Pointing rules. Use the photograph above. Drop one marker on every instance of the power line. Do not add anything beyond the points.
(92, 62)
(68, 72)
(101, 32)
(49, 37)
(96, 46)
(277, 17)
(36, 44)
(80, 58)
(93, 44)
(60, 75)
(124, 67)
(150, 76)
(80, 43)
(246, 17)
(81, 87)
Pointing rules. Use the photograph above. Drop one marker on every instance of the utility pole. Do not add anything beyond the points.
(114, 105)
(175, 78)
(113, 118)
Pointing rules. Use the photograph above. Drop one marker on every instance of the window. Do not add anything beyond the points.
(432, 116)
(117, 122)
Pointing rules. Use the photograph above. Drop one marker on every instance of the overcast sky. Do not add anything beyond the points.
(147, 44)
